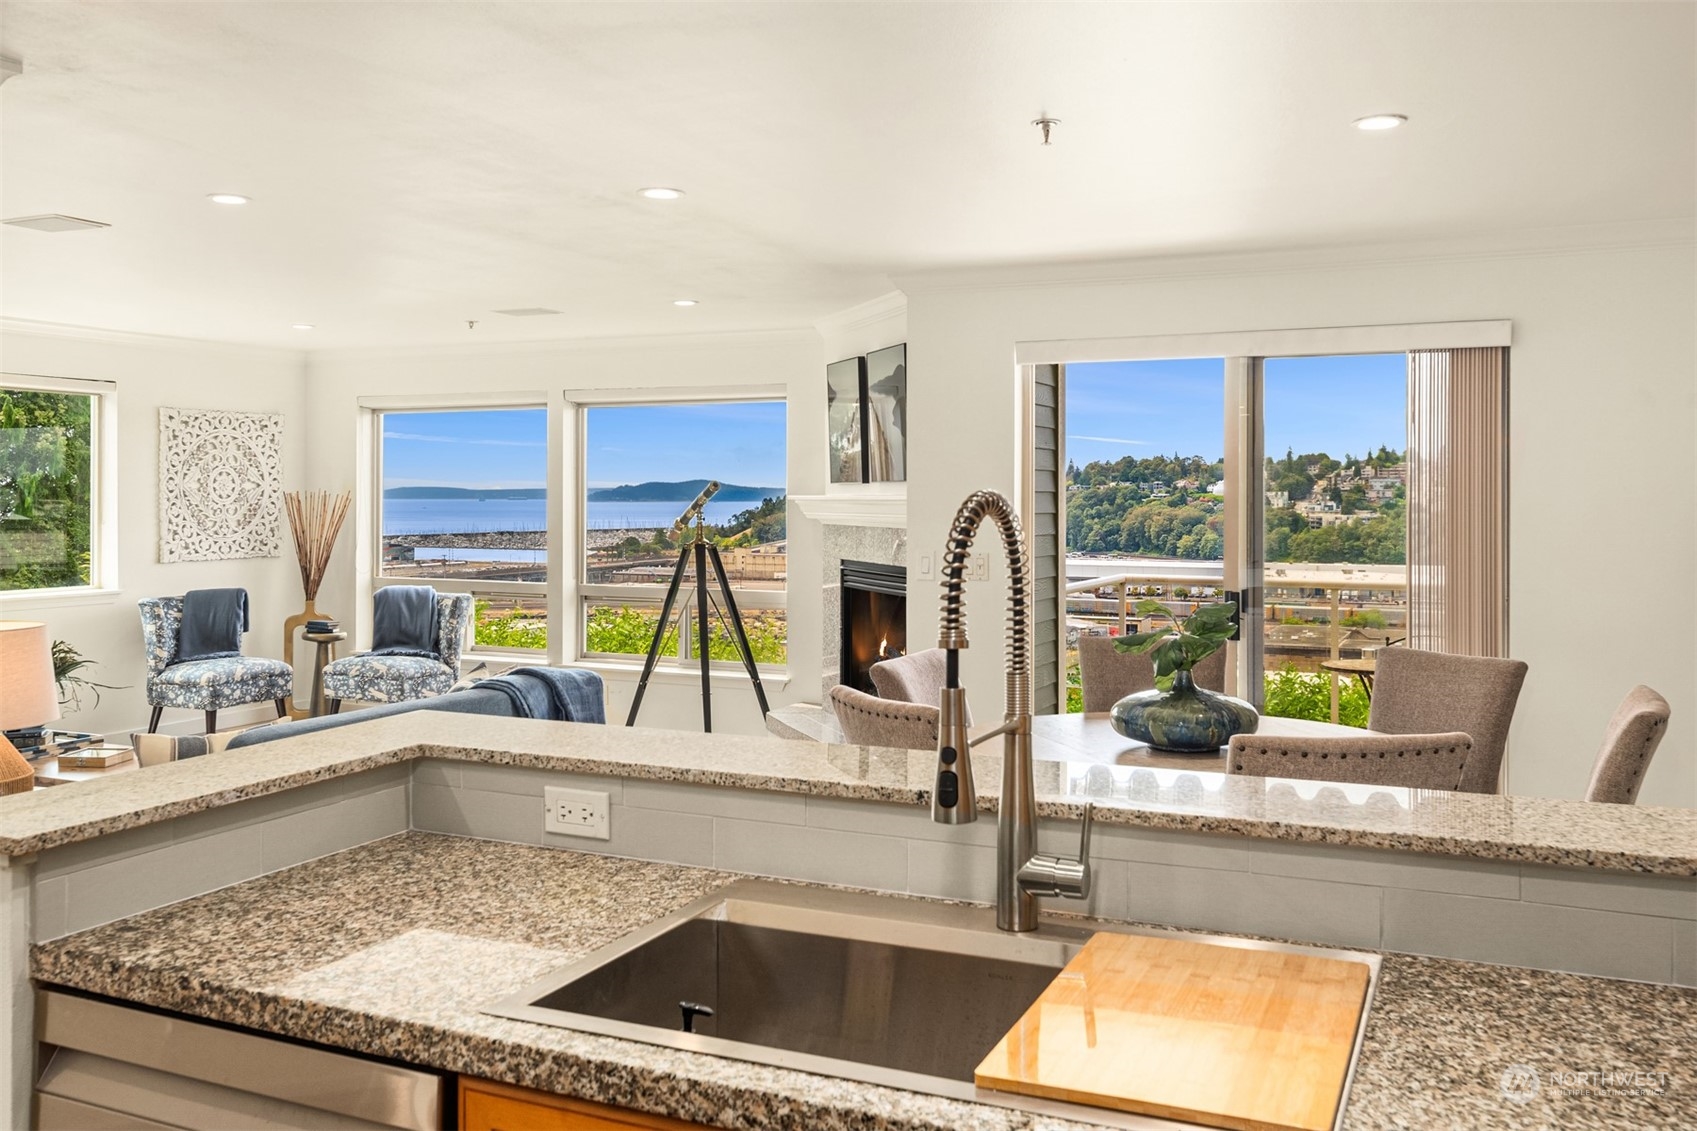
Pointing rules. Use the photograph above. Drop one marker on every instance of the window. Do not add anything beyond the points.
(464, 507)
(1297, 485)
(643, 465)
(48, 509)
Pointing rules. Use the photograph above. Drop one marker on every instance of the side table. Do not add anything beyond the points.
(326, 642)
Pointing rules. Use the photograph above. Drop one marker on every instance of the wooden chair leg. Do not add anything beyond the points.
(335, 706)
(153, 723)
(282, 708)
(212, 722)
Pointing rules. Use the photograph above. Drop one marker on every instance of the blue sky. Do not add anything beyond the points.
(735, 443)
(490, 448)
(1313, 404)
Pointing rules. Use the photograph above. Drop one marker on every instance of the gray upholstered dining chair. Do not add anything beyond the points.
(1633, 735)
(870, 721)
(1418, 692)
(1413, 761)
(914, 678)
(1107, 676)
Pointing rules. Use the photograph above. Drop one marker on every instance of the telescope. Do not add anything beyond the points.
(706, 557)
(694, 511)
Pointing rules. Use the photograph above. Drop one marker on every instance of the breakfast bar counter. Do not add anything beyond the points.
(392, 948)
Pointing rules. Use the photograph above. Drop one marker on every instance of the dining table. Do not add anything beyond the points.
(1091, 737)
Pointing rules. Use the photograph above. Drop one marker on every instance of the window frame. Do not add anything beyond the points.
(102, 587)
(578, 593)
(378, 408)
(1244, 353)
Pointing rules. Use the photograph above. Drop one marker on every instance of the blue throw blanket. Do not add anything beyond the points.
(213, 623)
(403, 621)
(566, 694)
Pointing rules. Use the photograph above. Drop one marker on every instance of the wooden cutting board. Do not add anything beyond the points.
(1255, 1040)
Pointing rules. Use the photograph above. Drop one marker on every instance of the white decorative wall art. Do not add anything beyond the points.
(220, 485)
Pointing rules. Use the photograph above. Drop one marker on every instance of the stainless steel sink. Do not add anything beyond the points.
(898, 992)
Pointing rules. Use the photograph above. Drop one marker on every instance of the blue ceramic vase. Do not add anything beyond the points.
(1185, 720)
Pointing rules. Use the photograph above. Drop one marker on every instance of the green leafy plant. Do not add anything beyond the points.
(1293, 694)
(1180, 647)
(67, 662)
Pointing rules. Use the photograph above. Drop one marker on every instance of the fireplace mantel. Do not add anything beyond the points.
(873, 504)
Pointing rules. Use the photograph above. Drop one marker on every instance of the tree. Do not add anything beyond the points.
(45, 488)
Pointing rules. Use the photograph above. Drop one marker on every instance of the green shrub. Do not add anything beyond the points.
(627, 631)
(1365, 618)
(1292, 694)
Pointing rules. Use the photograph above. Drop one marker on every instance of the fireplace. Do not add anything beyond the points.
(874, 621)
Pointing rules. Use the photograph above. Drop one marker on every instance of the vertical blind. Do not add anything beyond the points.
(1458, 501)
(1046, 539)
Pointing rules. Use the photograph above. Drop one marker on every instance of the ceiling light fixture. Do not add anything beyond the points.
(302, 326)
(226, 198)
(1380, 121)
(683, 302)
(662, 193)
(1045, 124)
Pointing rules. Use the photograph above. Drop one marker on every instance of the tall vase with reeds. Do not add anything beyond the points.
(315, 518)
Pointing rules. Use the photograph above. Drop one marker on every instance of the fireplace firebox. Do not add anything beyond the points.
(874, 619)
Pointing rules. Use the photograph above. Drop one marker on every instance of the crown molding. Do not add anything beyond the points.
(67, 332)
(885, 306)
(1514, 244)
(727, 339)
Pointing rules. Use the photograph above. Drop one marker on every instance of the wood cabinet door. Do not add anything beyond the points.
(488, 1106)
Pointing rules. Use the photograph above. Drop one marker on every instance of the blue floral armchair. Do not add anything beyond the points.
(203, 685)
(394, 679)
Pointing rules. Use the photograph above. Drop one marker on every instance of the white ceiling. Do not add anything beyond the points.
(413, 166)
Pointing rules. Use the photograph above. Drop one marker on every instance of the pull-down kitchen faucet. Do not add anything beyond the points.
(1022, 874)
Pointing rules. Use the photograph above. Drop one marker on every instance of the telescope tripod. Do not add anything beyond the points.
(705, 555)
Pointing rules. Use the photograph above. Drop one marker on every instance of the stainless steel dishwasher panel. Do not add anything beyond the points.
(127, 1063)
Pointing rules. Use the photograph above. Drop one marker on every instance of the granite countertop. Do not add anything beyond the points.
(1633, 838)
(390, 948)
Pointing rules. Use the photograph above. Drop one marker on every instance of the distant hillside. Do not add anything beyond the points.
(477, 493)
(681, 493)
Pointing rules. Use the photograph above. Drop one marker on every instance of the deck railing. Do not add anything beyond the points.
(1332, 591)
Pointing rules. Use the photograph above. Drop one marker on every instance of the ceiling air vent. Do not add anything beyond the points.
(527, 311)
(55, 222)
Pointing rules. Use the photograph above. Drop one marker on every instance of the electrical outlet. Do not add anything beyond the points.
(575, 812)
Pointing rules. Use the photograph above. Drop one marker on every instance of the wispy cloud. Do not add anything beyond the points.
(464, 440)
(1113, 440)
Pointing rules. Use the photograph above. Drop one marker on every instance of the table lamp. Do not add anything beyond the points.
(29, 696)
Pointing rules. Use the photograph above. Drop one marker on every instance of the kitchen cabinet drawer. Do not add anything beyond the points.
(488, 1106)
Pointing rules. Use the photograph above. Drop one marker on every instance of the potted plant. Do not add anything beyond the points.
(67, 662)
(1177, 715)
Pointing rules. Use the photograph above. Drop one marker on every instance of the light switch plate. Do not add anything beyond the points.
(576, 812)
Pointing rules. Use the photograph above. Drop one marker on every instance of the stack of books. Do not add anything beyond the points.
(54, 743)
(323, 625)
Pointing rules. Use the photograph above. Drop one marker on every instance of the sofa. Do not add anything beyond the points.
(518, 694)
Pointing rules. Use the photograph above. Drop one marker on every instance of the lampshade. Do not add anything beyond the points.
(29, 695)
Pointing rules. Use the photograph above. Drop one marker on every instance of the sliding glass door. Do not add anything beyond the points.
(1278, 483)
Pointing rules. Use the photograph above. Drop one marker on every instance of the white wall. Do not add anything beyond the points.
(152, 373)
(1603, 502)
(336, 381)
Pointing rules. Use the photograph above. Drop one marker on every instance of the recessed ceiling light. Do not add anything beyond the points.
(683, 302)
(226, 198)
(303, 326)
(1380, 121)
(662, 193)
